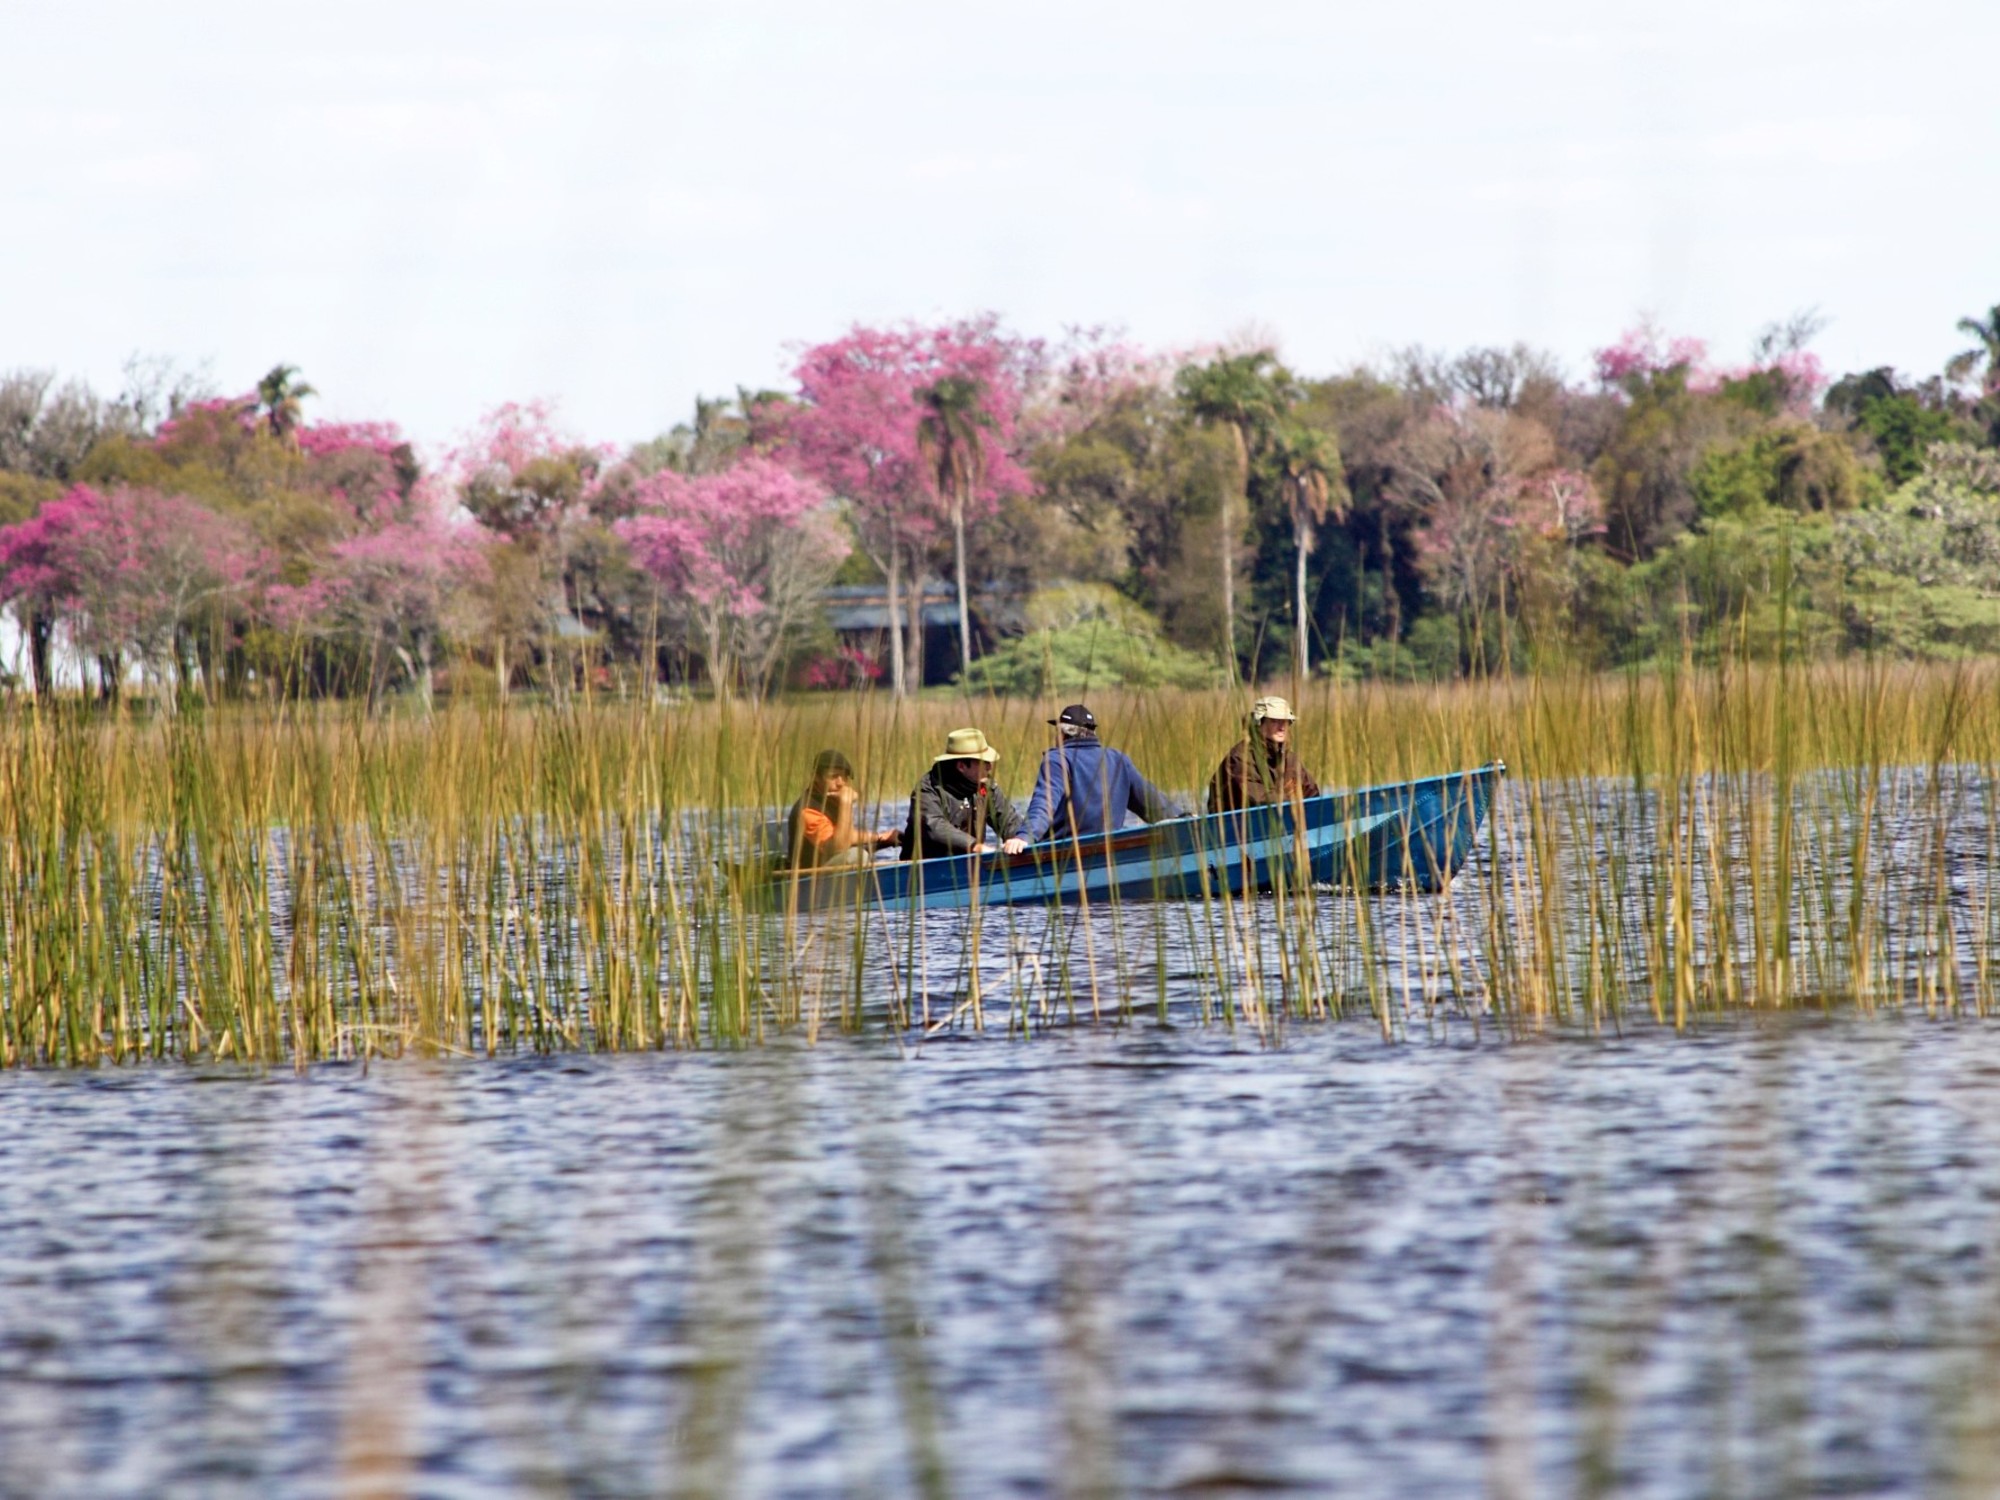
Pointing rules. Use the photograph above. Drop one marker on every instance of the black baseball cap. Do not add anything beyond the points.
(1078, 715)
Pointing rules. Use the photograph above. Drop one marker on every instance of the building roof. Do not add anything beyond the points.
(865, 606)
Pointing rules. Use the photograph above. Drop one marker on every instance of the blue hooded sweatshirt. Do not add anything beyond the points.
(1086, 788)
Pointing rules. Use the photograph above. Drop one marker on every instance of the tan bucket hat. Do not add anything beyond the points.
(1272, 708)
(967, 744)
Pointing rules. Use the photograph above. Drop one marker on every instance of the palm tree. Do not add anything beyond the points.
(281, 396)
(1985, 353)
(1310, 474)
(1246, 393)
(954, 455)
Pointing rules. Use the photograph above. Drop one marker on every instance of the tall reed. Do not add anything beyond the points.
(306, 883)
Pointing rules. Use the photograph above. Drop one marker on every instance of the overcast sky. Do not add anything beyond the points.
(432, 208)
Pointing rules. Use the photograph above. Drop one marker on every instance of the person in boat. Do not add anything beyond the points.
(956, 802)
(820, 831)
(1085, 787)
(1263, 767)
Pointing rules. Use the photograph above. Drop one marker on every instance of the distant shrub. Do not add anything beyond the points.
(1089, 654)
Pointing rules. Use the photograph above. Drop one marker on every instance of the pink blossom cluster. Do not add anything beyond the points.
(856, 428)
(201, 420)
(1800, 376)
(329, 439)
(379, 582)
(1560, 505)
(849, 667)
(514, 435)
(1642, 353)
(704, 535)
(1090, 375)
(368, 467)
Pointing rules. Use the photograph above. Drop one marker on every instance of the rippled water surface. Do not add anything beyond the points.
(1145, 1260)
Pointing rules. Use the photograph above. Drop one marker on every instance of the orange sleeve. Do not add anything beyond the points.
(815, 826)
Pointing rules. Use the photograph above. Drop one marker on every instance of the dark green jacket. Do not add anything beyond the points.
(944, 820)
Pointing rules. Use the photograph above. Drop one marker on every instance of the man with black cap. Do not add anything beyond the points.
(1085, 788)
(821, 828)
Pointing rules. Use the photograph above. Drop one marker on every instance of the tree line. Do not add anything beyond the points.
(1096, 512)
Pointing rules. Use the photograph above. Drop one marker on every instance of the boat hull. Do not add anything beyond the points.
(1412, 835)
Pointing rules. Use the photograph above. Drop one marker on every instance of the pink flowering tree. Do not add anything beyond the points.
(1090, 374)
(855, 430)
(1643, 353)
(302, 487)
(1549, 519)
(847, 667)
(368, 469)
(210, 425)
(742, 556)
(1561, 505)
(391, 594)
(917, 429)
(33, 583)
(1782, 375)
(133, 571)
(530, 487)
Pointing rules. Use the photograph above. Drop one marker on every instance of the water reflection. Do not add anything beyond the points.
(1154, 1260)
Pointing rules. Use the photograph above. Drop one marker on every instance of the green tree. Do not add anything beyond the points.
(1313, 485)
(1745, 584)
(1920, 575)
(1378, 579)
(951, 423)
(722, 428)
(1127, 497)
(1900, 422)
(1788, 465)
(1246, 395)
(1644, 471)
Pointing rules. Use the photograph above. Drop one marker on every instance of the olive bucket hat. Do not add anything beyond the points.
(967, 744)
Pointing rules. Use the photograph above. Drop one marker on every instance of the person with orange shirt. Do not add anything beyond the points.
(820, 830)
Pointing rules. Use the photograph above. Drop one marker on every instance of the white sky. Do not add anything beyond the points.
(435, 207)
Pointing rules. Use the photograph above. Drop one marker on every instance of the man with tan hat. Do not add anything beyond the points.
(1262, 768)
(956, 802)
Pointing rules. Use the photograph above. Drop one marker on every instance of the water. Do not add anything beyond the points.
(1151, 1260)
(1137, 1256)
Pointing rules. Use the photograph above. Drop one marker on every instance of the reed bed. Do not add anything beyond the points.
(299, 884)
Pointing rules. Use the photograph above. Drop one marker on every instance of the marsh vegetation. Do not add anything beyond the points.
(320, 883)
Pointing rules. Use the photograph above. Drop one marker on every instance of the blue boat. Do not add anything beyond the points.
(1408, 835)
